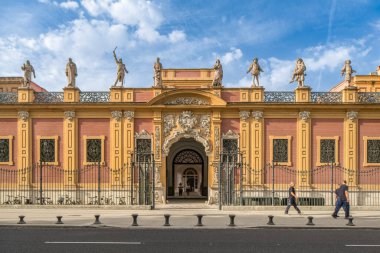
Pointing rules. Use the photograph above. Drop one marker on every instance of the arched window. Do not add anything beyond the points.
(188, 156)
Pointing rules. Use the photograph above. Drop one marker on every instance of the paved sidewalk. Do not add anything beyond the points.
(184, 218)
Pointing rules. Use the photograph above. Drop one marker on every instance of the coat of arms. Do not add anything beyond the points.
(187, 120)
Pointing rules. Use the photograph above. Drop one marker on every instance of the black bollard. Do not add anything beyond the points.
(232, 220)
(350, 223)
(97, 221)
(167, 217)
(270, 221)
(310, 221)
(200, 216)
(21, 221)
(59, 220)
(134, 223)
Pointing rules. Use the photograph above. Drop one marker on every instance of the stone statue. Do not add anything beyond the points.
(218, 74)
(347, 71)
(157, 78)
(299, 73)
(121, 70)
(71, 73)
(255, 70)
(28, 70)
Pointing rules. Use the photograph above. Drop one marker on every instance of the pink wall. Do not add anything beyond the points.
(94, 127)
(326, 128)
(230, 124)
(9, 127)
(144, 124)
(280, 127)
(47, 127)
(231, 96)
(143, 96)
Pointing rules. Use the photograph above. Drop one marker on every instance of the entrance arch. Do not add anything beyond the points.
(186, 163)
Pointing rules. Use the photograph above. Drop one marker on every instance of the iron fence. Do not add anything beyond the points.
(240, 184)
(43, 184)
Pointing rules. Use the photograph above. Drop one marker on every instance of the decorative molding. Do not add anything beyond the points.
(24, 115)
(187, 120)
(257, 115)
(244, 115)
(216, 143)
(143, 135)
(304, 115)
(192, 133)
(352, 115)
(70, 115)
(169, 123)
(205, 124)
(230, 135)
(129, 115)
(157, 175)
(187, 101)
(157, 142)
(117, 115)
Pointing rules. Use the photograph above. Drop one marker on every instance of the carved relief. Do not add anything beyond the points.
(352, 115)
(187, 101)
(257, 115)
(216, 142)
(169, 123)
(230, 135)
(70, 115)
(117, 115)
(244, 115)
(157, 142)
(129, 115)
(24, 115)
(143, 135)
(205, 125)
(304, 115)
(157, 176)
(187, 120)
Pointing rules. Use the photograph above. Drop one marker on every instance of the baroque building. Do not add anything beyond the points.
(178, 132)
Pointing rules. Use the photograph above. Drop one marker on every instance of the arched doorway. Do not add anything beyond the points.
(187, 169)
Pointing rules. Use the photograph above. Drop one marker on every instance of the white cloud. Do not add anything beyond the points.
(176, 36)
(69, 5)
(234, 54)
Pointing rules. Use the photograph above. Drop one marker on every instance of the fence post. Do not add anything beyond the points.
(332, 183)
(153, 181)
(220, 181)
(98, 183)
(132, 168)
(272, 183)
(41, 202)
(241, 180)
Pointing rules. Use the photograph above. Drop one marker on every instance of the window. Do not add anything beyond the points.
(371, 151)
(280, 150)
(143, 149)
(93, 149)
(230, 146)
(6, 150)
(327, 150)
(47, 149)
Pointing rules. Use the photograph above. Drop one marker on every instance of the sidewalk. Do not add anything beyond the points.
(184, 218)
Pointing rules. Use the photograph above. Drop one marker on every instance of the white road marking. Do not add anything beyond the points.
(364, 245)
(126, 243)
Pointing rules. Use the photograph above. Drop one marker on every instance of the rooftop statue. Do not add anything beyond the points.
(299, 73)
(255, 70)
(347, 71)
(71, 73)
(121, 70)
(157, 78)
(218, 74)
(28, 70)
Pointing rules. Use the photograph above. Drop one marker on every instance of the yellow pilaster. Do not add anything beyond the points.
(70, 147)
(257, 147)
(128, 95)
(257, 94)
(244, 135)
(350, 145)
(303, 94)
(116, 145)
(129, 141)
(116, 94)
(244, 95)
(350, 94)
(304, 148)
(25, 95)
(157, 147)
(216, 128)
(71, 95)
(24, 147)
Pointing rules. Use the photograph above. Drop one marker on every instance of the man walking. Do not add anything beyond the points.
(342, 200)
(292, 200)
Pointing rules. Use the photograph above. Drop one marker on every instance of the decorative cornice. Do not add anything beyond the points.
(70, 115)
(352, 115)
(129, 115)
(244, 115)
(187, 101)
(304, 115)
(24, 115)
(117, 115)
(257, 115)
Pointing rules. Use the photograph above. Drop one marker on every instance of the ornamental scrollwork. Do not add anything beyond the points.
(169, 123)
(257, 115)
(187, 101)
(129, 115)
(143, 135)
(230, 135)
(244, 115)
(24, 115)
(117, 115)
(187, 120)
(352, 115)
(305, 116)
(205, 124)
(70, 115)
(158, 141)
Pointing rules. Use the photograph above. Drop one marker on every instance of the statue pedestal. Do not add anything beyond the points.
(350, 94)
(25, 95)
(217, 91)
(303, 94)
(71, 95)
(257, 94)
(116, 94)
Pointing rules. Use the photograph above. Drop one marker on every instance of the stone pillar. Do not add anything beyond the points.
(350, 94)
(350, 145)
(71, 95)
(25, 95)
(303, 94)
(257, 94)
(213, 166)
(129, 142)
(70, 147)
(304, 148)
(157, 152)
(244, 135)
(24, 148)
(116, 146)
(257, 147)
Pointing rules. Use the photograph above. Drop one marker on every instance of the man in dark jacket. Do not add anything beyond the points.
(292, 200)
(342, 200)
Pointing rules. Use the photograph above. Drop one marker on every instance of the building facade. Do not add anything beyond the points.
(181, 130)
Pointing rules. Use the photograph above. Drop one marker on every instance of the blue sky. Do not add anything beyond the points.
(189, 34)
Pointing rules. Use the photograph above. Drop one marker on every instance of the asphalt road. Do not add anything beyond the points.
(16, 239)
